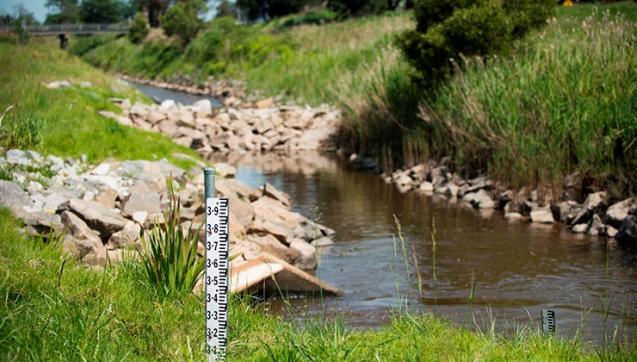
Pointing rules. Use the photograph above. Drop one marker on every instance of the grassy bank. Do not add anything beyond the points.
(565, 100)
(51, 310)
(304, 62)
(65, 121)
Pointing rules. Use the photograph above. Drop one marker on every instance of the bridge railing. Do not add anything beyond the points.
(70, 28)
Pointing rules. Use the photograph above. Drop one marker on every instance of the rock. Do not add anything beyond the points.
(202, 107)
(616, 214)
(426, 186)
(479, 200)
(167, 105)
(86, 250)
(263, 227)
(513, 216)
(265, 103)
(18, 157)
(628, 231)
(402, 181)
(270, 191)
(128, 236)
(140, 217)
(225, 170)
(272, 245)
(322, 241)
(275, 211)
(611, 232)
(107, 198)
(596, 226)
(13, 198)
(579, 228)
(57, 84)
(43, 223)
(142, 198)
(565, 211)
(306, 254)
(542, 216)
(99, 218)
(593, 203)
(79, 229)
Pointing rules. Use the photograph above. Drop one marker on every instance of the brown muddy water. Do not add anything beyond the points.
(487, 270)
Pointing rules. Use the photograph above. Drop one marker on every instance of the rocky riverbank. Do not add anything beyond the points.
(598, 214)
(264, 128)
(103, 210)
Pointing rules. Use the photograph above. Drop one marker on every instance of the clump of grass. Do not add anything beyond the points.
(21, 132)
(170, 256)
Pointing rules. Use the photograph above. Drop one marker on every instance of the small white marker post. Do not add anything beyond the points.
(217, 250)
(548, 321)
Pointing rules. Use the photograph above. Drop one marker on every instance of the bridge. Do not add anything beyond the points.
(62, 31)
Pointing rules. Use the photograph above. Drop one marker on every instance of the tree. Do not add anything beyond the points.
(154, 8)
(138, 29)
(102, 11)
(182, 19)
(253, 9)
(62, 12)
(225, 8)
(448, 29)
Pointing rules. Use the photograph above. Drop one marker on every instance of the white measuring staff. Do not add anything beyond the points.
(217, 251)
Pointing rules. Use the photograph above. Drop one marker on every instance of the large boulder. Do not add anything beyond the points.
(142, 198)
(79, 229)
(306, 258)
(99, 218)
(542, 216)
(128, 236)
(593, 204)
(263, 227)
(616, 214)
(479, 200)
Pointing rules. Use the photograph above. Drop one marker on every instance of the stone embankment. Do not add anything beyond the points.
(597, 215)
(221, 131)
(106, 209)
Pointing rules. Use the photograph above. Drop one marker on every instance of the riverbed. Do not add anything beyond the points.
(475, 269)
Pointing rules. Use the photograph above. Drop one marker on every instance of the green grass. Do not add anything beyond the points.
(56, 310)
(66, 122)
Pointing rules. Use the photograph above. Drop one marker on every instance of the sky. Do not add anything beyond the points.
(35, 6)
(39, 10)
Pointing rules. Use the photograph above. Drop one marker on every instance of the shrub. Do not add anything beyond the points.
(448, 29)
(358, 7)
(309, 17)
(170, 258)
(83, 45)
(182, 20)
(138, 29)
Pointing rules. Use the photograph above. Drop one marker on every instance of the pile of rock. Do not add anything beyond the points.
(208, 130)
(595, 216)
(106, 209)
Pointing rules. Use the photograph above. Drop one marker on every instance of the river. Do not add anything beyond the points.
(483, 271)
